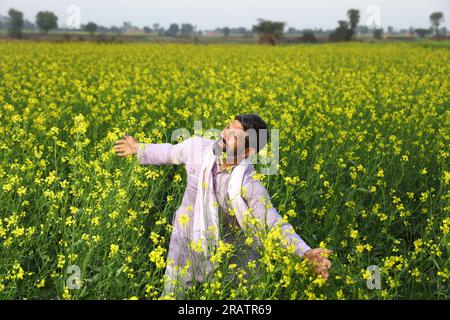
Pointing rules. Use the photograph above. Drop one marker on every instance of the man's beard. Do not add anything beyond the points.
(223, 151)
(217, 149)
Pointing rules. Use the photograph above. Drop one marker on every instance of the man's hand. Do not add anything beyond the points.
(318, 258)
(126, 147)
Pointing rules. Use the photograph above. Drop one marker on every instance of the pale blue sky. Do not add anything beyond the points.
(208, 14)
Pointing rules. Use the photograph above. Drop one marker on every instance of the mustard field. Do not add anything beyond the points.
(363, 170)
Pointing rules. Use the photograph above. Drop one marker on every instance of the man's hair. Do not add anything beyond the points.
(256, 128)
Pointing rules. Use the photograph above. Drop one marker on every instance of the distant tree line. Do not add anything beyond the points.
(46, 21)
(15, 23)
(269, 31)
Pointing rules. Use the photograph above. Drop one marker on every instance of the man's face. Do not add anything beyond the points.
(231, 141)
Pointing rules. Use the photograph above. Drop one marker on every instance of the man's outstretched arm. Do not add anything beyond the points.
(259, 202)
(152, 153)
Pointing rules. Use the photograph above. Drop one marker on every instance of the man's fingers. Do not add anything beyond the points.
(325, 263)
(325, 252)
(321, 269)
(322, 273)
(322, 266)
(120, 142)
(121, 150)
(316, 259)
(320, 258)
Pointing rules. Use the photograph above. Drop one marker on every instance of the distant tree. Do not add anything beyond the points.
(29, 25)
(102, 29)
(378, 33)
(46, 21)
(226, 31)
(173, 30)
(186, 29)
(309, 36)
(147, 29)
(90, 27)
(436, 18)
(267, 26)
(15, 23)
(115, 29)
(353, 16)
(422, 33)
(346, 29)
(390, 30)
(243, 31)
(342, 32)
(270, 32)
(362, 30)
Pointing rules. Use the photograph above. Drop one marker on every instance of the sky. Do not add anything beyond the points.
(209, 14)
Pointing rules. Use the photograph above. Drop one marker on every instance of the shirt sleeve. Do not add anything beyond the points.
(258, 200)
(163, 153)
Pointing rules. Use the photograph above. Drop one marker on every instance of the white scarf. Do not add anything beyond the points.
(205, 213)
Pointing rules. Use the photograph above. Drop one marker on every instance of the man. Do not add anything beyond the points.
(219, 175)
